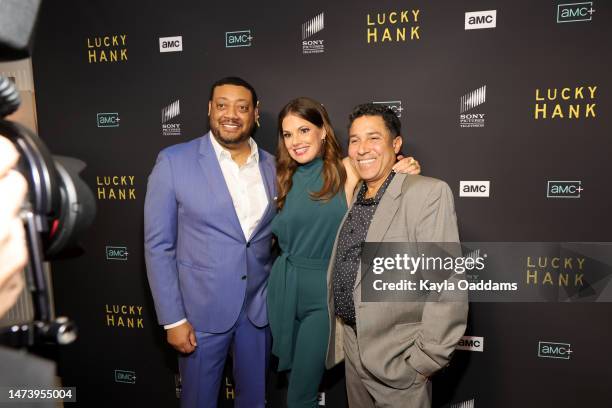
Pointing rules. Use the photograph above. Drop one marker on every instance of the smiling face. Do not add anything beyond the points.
(231, 114)
(302, 138)
(372, 149)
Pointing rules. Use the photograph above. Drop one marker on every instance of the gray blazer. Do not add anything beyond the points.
(403, 338)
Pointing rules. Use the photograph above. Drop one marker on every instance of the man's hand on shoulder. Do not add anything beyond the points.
(182, 338)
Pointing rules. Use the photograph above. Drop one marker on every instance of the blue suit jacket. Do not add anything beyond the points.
(199, 264)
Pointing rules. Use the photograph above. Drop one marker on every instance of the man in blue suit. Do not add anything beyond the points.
(208, 210)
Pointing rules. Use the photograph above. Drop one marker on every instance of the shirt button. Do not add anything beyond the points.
(248, 245)
(243, 277)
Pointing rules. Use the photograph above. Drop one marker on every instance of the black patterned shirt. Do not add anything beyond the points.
(348, 252)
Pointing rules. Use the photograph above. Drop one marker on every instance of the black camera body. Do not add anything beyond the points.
(59, 204)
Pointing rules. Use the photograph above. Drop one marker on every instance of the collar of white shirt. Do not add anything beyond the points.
(224, 154)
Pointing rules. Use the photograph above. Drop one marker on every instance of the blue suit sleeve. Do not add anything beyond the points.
(160, 236)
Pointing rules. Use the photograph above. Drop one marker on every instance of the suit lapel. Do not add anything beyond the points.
(332, 259)
(267, 174)
(387, 208)
(212, 172)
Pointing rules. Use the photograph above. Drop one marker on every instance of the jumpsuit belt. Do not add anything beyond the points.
(282, 303)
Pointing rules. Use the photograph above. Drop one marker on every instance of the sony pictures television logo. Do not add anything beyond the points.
(106, 119)
(126, 377)
(467, 103)
(462, 404)
(171, 44)
(241, 38)
(564, 189)
(574, 12)
(480, 19)
(472, 276)
(554, 350)
(313, 26)
(170, 127)
(396, 106)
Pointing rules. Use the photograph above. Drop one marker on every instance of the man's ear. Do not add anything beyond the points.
(209, 106)
(256, 114)
(397, 144)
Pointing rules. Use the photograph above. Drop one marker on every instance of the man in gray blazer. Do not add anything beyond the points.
(390, 348)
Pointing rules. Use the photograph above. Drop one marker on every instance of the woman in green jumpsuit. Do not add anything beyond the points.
(314, 186)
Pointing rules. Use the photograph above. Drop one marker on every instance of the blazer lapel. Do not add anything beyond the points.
(268, 176)
(213, 174)
(332, 259)
(387, 208)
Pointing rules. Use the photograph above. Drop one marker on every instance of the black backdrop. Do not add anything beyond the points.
(121, 358)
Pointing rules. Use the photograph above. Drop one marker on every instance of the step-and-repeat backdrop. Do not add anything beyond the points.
(507, 101)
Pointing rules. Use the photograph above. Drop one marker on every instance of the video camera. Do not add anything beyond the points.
(59, 204)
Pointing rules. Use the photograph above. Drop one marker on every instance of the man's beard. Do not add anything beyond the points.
(227, 140)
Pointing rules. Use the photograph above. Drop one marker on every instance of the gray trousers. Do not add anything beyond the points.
(366, 391)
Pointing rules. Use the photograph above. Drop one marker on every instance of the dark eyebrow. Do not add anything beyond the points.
(367, 134)
(223, 98)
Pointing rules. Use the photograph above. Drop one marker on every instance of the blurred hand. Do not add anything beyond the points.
(182, 338)
(13, 250)
(407, 165)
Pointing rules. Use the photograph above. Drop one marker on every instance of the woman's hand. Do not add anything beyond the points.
(407, 165)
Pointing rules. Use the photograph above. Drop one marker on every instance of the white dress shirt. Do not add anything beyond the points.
(246, 187)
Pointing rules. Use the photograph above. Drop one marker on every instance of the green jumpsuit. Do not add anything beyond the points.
(297, 288)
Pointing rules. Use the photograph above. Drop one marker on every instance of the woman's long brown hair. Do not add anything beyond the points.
(334, 174)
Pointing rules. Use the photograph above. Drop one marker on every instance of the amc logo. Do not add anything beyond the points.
(108, 119)
(573, 12)
(480, 19)
(116, 253)
(171, 44)
(474, 188)
(238, 39)
(564, 189)
(126, 377)
(554, 350)
(471, 343)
